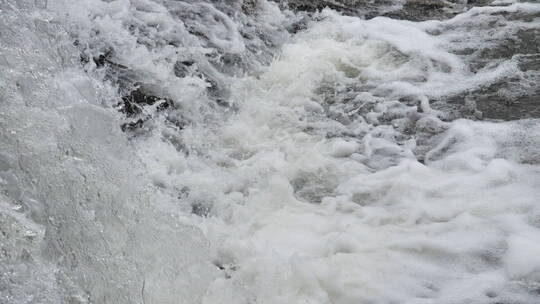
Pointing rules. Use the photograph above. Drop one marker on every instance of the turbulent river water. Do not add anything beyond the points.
(229, 151)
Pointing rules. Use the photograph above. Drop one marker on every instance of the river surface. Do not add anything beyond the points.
(242, 152)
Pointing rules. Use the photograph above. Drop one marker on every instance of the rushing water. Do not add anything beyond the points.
(163, 151)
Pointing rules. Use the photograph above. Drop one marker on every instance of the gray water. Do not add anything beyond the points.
(160, 151)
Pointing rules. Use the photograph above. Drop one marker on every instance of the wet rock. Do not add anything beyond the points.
(348, 6)
(419, 10)
(415, 10)
(298, 26)
(133, 103)
(132, 106)
(103, 59)
(508, 107)
(507, 100)
(183, 68)
(200, 209)
(249, 6)
(517, 108)
(523, 42)
(478, 2)
(515, 96)
(134, 96)
(235, 39)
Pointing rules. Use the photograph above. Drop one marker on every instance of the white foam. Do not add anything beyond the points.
(408, 233)
(307, 191)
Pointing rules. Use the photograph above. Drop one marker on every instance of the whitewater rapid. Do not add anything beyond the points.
(276, 156)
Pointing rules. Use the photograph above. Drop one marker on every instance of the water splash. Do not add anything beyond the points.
(239, 152)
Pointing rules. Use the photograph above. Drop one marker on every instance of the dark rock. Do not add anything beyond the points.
(502, 107)
(348, 7)
(133, 102)
(102, 59)
(132, 106)
(523, 42)
(298, 26)
(200, 209)
(419, 10)
(505, 100)
(516, 96)
(249, 6)
(415, 10)
(183, 68)
(132, 126)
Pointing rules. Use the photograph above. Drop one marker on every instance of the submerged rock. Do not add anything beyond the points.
(345, 6)
(419, 10)
(133, 103)
(415, 10)
(516, 93)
